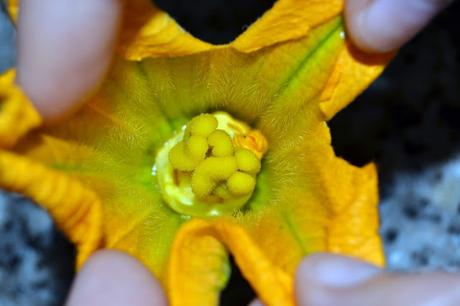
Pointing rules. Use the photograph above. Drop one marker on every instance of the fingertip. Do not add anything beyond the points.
(381, 26)
(321, 275)
(116, 279)
(64, 50)
(330, 280)
(334, 270)
(354, 12)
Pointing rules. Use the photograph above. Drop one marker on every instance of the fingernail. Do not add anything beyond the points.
(335, 271)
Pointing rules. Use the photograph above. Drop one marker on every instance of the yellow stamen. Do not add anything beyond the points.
(202, 125)
(247, 161)
(197, 146)
(210, 172)
(211, 167)
(187, 155)
(241, 183)
(220, 143)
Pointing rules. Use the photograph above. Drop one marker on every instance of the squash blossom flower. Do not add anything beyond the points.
(191, 152)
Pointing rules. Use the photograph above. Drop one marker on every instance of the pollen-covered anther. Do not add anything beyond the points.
(202, 125)
(210, 172)
(218, 170)
(220, 143)
(186, 155)
(208, 168)
(247, 161)
(241, 183)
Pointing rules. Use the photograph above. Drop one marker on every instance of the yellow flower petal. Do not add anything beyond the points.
(350, 195)
(75, 209)
(198, 266)
(354, 71)
(316, 204)
(287, 20)
(17, 115)
(13, 9)
(150, 32)
(134, 219)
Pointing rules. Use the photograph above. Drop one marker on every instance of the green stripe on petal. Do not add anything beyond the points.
(295, 104)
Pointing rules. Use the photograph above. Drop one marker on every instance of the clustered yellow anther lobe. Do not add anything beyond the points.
(211, 166)
(247, 161)
(209, 154)
(210, 172)
(241, 183)
(220, 143)
(202, 125)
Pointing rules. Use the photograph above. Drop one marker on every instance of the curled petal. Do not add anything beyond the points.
(354, 71)
(75, 209)
(198, 267)
(353, 224)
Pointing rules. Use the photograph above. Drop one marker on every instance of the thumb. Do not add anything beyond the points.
(111, 278)
(327, 280)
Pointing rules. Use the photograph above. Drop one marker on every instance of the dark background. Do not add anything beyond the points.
(408, 122)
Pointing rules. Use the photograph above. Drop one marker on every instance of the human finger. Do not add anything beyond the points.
(385, 25)
(64, 50)
(333, 280)
(112, 278)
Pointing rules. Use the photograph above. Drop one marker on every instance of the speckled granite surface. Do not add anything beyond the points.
(407, 122)
(36, 263)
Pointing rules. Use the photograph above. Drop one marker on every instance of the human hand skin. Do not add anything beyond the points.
(64, 50)
(330, 280)
(112, 278)
(381, 26)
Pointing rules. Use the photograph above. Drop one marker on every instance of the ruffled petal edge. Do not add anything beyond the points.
(353, 227)
(76, 210)
(150, 32)
(197, 252)
(354, 71)
(287, 20)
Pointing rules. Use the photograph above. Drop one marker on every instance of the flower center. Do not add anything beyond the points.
(210, 167)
